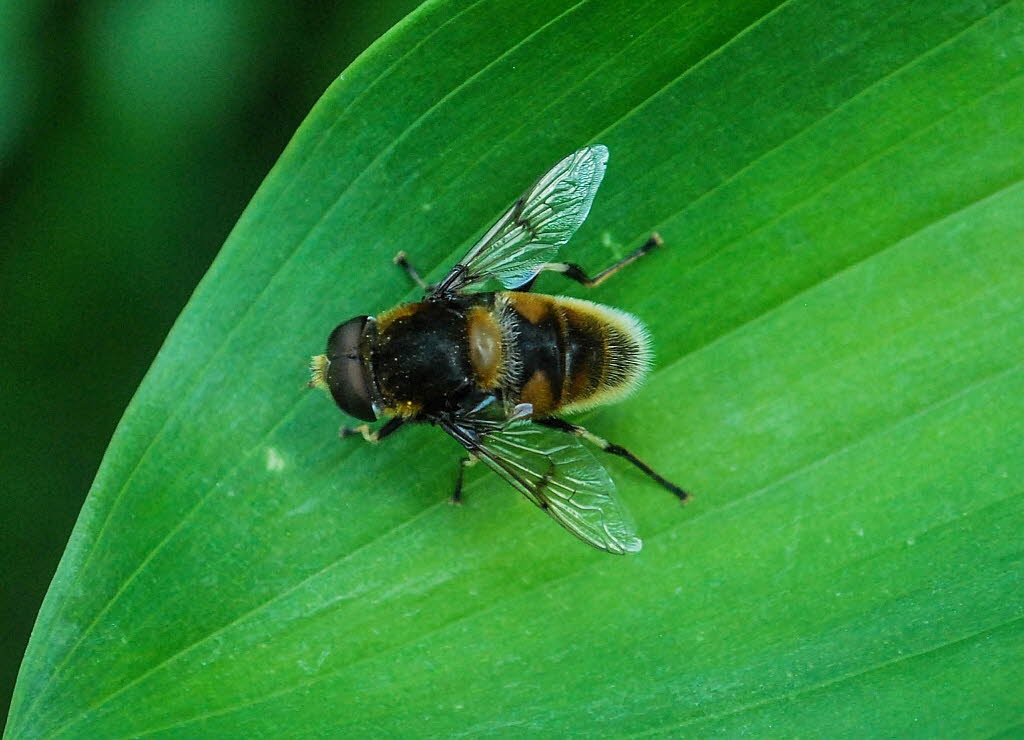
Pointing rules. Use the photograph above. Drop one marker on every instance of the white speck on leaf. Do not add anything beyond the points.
(304, 508)
(314, 666)
(275, 463)
(607, 240)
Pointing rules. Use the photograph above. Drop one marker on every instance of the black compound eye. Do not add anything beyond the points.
(348, 377)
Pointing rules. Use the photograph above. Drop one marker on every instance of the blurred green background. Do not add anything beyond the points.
(132, 135)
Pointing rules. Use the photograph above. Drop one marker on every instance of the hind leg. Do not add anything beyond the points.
(613, 449)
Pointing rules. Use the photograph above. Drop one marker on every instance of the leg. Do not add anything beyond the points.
(401, 261)
(575, 272)
(466, 462)
(564, 426)
(372, 437)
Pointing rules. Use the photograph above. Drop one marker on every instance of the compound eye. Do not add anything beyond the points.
(348, 376)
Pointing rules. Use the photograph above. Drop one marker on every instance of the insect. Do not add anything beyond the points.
(492, 368)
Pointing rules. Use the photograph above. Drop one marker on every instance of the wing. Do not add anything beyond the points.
(554, 471)
(530, 233)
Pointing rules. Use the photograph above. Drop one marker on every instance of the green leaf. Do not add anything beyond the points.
(839, 320)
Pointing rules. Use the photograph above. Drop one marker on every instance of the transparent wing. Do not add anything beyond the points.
(554, 471)
(531, 232)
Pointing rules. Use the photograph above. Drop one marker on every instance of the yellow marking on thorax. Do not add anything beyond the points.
(486, 353)
(405, 310)
(406, 409)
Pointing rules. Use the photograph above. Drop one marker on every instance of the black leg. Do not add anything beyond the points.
(575, 272)
(370, 436)
(564, 426)
(403, 262)
(464, 463)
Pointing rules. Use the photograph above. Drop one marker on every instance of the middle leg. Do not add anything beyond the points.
(373, 437)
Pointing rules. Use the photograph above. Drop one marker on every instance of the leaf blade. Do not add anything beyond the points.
(776, 254)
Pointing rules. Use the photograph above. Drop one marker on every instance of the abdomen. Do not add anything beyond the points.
(572, 354)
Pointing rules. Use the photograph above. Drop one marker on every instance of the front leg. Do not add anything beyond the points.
(467, 462)
(373, 437)
(402, 261)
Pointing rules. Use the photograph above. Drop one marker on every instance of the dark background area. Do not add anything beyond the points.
(132, 135)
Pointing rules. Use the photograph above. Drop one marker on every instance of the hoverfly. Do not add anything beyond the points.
(491, 368)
